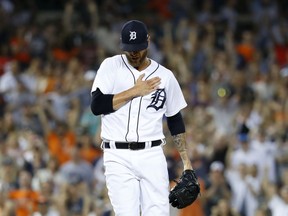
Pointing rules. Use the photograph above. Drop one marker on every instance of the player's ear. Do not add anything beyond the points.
(148, 39)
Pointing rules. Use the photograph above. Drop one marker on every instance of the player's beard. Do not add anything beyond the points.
(137, 59)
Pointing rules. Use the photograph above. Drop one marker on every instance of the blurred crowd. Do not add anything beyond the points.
(230, 58)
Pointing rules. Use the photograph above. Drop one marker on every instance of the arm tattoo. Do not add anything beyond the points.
(179, 141)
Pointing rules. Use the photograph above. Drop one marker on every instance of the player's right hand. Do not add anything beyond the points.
(144, 87)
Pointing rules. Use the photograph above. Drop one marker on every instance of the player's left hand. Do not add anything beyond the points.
(186, 190)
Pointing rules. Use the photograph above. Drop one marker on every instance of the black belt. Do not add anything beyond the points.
(132, 145)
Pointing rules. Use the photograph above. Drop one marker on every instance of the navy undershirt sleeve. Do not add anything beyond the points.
(176, 124)
(101, 103)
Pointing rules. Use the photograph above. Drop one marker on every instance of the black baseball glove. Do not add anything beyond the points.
(185, 191)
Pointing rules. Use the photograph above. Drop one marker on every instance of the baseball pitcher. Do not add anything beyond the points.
(133, 93)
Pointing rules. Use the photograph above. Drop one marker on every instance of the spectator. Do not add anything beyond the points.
(90, 152)
(223, 209)
(44, 208)
(8, 173)
(49, 173)
(268, 150)
(47, 202)
(75, 199)
(253, 182)
(59, 138)
(24, 199)
(236, 178)
(217, 188)
(77, 166)
(278, 202)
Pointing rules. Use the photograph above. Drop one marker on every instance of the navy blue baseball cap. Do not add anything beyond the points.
(134, 36)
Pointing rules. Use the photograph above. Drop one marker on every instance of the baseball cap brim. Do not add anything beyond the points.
(133, 47)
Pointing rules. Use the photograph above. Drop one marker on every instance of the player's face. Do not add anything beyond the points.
(136, 59)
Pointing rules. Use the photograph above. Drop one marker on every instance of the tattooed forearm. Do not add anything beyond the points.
(180, 143)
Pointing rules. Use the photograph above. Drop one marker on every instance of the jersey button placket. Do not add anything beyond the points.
(132, 135)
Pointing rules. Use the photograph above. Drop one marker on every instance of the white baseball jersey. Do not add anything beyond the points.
(140, 119)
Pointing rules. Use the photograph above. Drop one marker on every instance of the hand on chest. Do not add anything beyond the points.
(151, 102)
(124, 80)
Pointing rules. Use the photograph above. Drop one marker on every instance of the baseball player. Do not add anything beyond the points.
(132, 93)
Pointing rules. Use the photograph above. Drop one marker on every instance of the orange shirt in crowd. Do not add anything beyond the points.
(246, 51)
(281, 54)
(161, 6)
(51, 84)
(64, 55)
(90, 154)
(25, 200)
(20, 50)
(59, 147)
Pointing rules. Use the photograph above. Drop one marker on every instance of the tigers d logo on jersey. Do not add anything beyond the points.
(158, 99)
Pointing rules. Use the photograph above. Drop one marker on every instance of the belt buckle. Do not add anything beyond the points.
(133, 146)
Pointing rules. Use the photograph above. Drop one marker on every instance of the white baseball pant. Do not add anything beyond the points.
(137, 181)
